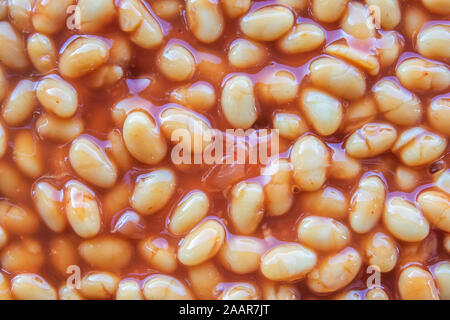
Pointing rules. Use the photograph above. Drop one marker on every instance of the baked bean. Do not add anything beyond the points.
(235, 8)
(99, 285)
(143, 138)
(407, 179)
(381, 251)
(344, 167)
(389, 10)
(153, 191)
(12, 50)
(446, 243)
(129, 289)
(3, 84)
(48, 203)
(322, 110)
(294, 4)
(205, 19)
(290, 125)
(355, 21)
(358, 113)
(246, 207)
(17, 220)
(390, 45)
(240, 291)
(415, 283)
(335, 271)
(328, 10)
(186, 129)
(199, 96)
(277, 192)
(324, 234)
(49, 16)
(105, 76)
(338, 77)
(417, 146)
(246, 54)
(310, 159)
(442, 181)
(121, 51)
(396, 103)
(433, 42)
(143, 29)
(437, 6)
(442, 277)
(404, 220)
(204, 279)
(57, 96)
(363, 60)
(176, 63)
(130, 225)
(94, 16)
(287, 262)
(12, 185)
(67, 293)
(326, 202)
(53, 128)
(279, 291)
(418, 74)
(25, 255)
(3, 237)
(438, 113)
(371, 140)
(91, 163)
(27, 154)
(419, 252)
(106, 252)
(241, 254)
(162, 287)
(211, 67)
(5, 292)
(192, 209)
(350, 295)
(3, 9)
(82, 209)
(20, 14)
(277, 88)
(238, 102)
(267, 23)
(42, 52)
(124, 107)
(303, 37)
(413, 20)
(119, 151)
(167, 9)
(21, 104)
(82, 56)
(201, 243)
(376, 294)
(435, 206)
(367, 204)
(115, 200)
(159, 254)
(120, 110)
(28, 286)
(62, 254)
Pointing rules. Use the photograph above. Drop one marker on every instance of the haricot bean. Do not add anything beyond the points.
(224, 149)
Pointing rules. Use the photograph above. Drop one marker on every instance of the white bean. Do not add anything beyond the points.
(404, 220)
